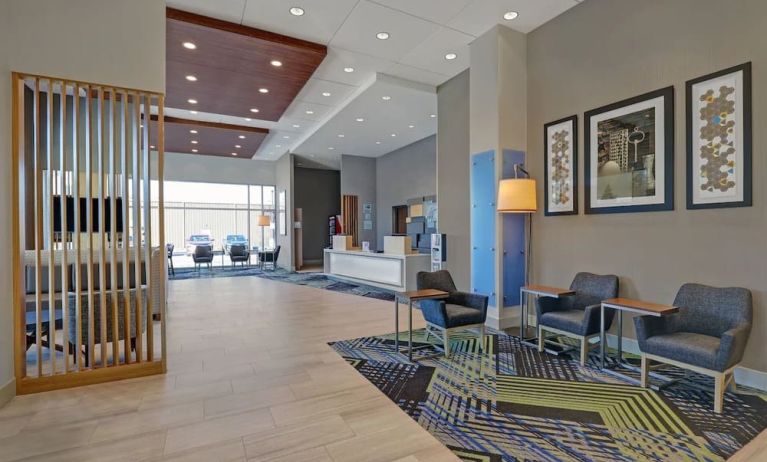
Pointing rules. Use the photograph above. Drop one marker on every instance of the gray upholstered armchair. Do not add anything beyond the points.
(708, 335)
(203, 255)
(578, 315)
(460, 311)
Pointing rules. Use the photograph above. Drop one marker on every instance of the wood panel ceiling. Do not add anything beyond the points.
(212, 139)
(231, 64)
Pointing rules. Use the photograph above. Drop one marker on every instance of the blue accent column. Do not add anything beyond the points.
(483, 213)
(513, 239)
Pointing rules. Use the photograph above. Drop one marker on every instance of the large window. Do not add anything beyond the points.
(218, 210)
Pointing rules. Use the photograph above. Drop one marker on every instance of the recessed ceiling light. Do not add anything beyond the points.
(286, 137)
(191, 78)
(142, 125)
(276, 63)
(193, 132)
(151, 147)
(242, 137)
(248, 119)
(189, 46)
(325, 93)
(234, 153)
(382, 35)
(310, 112)
(237, 146)
(193, 112)
(411, 126)
(450, 56)
(393, 134)
(297, 11)
(331, 148)
(194, 141)
(433, 116)
(341, 135)
(386, 98)
(296, 126)
(360, 119)
(348, 70)
(277, 145)
(378, 142)
(263, 90)
(254, 110)
(509, 15)
(191, 101)
(194, 150)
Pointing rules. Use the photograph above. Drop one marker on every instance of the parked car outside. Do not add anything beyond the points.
(198, 239)
(234, 239)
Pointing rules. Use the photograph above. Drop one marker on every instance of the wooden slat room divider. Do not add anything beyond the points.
(89, 283)
(350, 217)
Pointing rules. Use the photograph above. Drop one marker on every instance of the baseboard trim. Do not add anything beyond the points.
(506, 318)
(7, 392)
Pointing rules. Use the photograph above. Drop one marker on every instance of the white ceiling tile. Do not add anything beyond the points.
(439, 11)
(416, 74)
(481, 15)
(430, 54)
(315, 91)
(300, 109)
(358, 32)
(226, 10)
(321, 19)
(365, 67)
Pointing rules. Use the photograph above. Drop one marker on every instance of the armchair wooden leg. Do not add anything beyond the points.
(719, 384)
(482, 338)
(732, 386)
(446, 336)
(584, 350)
(645, 373)
(540, 338)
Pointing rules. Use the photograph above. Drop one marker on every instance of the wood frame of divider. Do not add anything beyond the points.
(103, 137)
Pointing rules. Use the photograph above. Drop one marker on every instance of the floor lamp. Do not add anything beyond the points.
(263, 221)
(517, 195)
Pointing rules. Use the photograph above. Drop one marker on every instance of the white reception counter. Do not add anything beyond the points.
(388, 271)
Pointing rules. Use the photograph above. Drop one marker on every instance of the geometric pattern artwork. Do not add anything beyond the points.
(561, 166)
(719, 139)
(503, 401)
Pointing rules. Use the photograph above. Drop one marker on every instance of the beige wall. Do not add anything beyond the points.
(596, 54)
(453, 160)
(114, 42)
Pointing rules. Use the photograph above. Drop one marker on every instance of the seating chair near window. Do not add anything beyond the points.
(269, 258)
(708, 335)
(460, 311)
(238, 253)
(203, 255)
(577, 316)
(31, 306)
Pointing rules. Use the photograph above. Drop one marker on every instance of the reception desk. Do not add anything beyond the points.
(388, 271)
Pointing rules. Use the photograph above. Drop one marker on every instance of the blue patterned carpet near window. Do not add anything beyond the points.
(317, 280)
(511, 403)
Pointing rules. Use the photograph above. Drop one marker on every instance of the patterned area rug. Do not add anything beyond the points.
(515, 404)
(317, 280)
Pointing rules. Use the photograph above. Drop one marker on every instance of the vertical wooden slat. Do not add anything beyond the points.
(38, 197)
(51, 246)
(124, 154)
(147, 204)
(161, 222)
(64, 224)
(113, 148)
(137, 236)
(89, 137)
(102, 150)
(76, 147)
(19, 165)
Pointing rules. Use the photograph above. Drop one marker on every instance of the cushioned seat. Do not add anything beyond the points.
(569, 320)
(460, 315)
(687, 347)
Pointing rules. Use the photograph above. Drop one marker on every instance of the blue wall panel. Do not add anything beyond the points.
(513, 239)
(483, 213)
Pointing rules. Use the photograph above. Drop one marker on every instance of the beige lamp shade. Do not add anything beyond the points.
(517, 195)
(264, 220)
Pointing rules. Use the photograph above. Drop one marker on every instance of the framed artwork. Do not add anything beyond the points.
(281, 213)
(561, 167)
(629, 160)
(719, 171)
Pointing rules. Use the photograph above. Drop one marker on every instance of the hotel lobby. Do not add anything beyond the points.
(383, 230)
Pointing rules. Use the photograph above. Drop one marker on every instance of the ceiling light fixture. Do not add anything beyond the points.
(237, 146)
(433, 116)
(193, 132)
(151, 147)
(509, 15)
(234, 153)
(263, 90)
(193, 112)
(286, 137)
(393, 134)
(190, 46)
(194, 141)
(242, 137)
(277, 145)
(310, 112)
(378, 142)
(341, 135)
(276, 63)
(386, 98)
(325, 93)
(254, 110)
(297, 11)
(360, 119)
(248, 119)
(191, 78)
(331, 148)
(450, 56)
(411, 126)
(194, 150)
(191, 101)
(296, 126)
(348, 70)
(382, 36)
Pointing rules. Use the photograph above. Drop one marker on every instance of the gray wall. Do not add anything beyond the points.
(284, 182)
(318, 193)
(107, 41)
(406, 173)
(209, 169)
(595, 54)
(358, 177)
(453, 159)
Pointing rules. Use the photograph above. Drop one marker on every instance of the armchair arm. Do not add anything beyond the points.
(434, 311)
(546, 305)
(732, 346)
(475, 301)
(649, 326)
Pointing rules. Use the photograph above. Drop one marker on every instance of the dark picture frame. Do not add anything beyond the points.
(571, 124)
(662, 159)
(742, 157)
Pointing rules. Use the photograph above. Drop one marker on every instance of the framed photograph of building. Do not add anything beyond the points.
(719, 171)
(561, 166)
(629, 162)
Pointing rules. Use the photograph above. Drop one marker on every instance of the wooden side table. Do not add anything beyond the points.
(410, 297)
(633, 306)
(538, 291)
